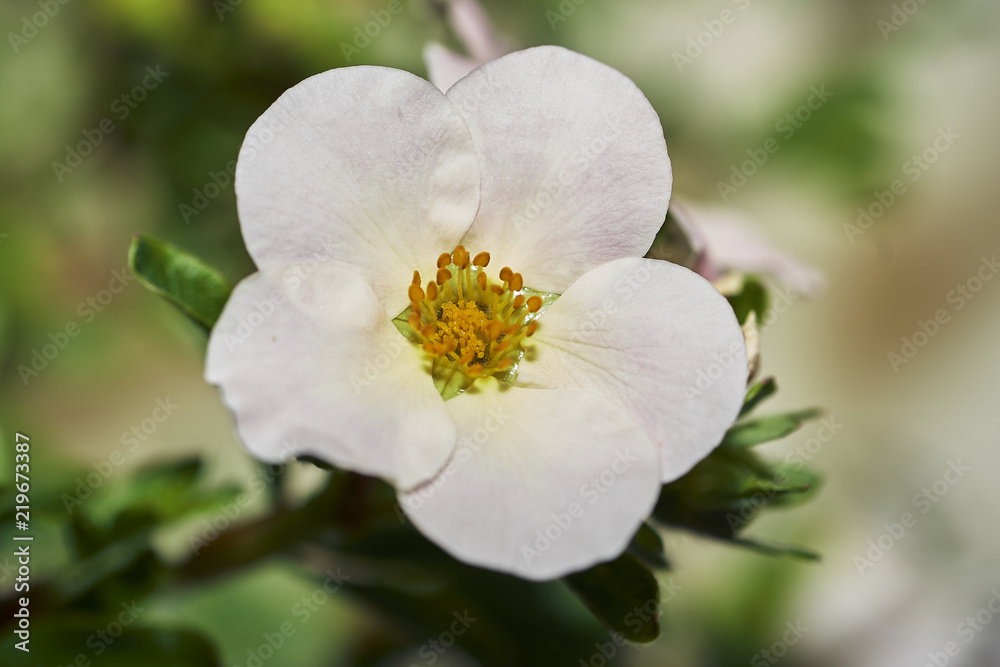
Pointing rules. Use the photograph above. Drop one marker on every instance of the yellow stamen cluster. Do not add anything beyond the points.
(467, 323)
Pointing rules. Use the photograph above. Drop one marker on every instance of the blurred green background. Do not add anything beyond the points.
(899, 73)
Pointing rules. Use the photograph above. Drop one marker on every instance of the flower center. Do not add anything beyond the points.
(469, 326)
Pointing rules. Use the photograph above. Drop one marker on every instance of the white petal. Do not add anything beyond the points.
(309, 364)
(656, 339)
(574, 167)
(473, 26)
(364, 165)
(445, 67)
(732, 242)
(542, 483)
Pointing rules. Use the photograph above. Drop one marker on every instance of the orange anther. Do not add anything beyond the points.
(534, 304)
(505, 274)
(482, 259)
(460, 257)
(516, 282)
(444, 260)
(443, 276)
(494, 329)
(416, 293)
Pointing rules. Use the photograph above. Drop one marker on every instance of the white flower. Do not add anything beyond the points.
(551, 163)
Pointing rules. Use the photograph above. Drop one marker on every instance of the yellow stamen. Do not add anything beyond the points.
(469, 325)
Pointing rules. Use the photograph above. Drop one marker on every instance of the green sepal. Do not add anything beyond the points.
(195, 288)
(721, 495)
(766, 429)
(647, 546)
(757, 394)
(752, 297)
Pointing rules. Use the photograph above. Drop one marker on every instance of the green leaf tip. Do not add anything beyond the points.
(198, 290)
(767, 429)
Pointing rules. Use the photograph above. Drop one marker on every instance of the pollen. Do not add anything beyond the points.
(468, 324)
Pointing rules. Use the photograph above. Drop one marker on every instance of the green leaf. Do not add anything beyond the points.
(721, 495)
(766, 429)
(197, 289)
(752, 298)
(780, 550)
(647, 546)
(758, 393)
(619, 594)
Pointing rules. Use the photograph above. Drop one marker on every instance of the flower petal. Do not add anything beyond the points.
(656, 339)
(574, 167)
(369, 166)
(542, 483)
(473, 26)
(445, 67)
(733, 242)
(309, 364)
